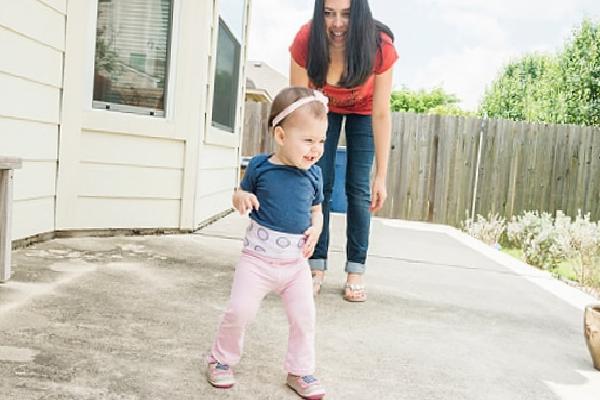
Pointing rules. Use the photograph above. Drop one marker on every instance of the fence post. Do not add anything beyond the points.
(479, 147)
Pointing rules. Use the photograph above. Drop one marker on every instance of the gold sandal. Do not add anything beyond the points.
(355, 293)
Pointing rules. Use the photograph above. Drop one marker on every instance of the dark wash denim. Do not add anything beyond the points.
(360, 152)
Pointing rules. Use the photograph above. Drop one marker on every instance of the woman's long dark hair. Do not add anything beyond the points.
(364, 33)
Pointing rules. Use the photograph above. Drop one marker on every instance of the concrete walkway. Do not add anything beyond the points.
(447, 318)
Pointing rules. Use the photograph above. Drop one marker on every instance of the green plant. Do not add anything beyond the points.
(585, 247)
(106, 60)
(580, 84)
(535, 234)
(422, 101)
(551, 88)
(487, 230)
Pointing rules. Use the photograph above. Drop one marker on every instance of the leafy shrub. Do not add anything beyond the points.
(584, 247)
(546, 241)
(487, 230)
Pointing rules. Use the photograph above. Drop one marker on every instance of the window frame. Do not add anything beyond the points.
(98, 105)
(214, 134)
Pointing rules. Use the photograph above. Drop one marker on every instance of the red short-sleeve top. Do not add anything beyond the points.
(357, 100)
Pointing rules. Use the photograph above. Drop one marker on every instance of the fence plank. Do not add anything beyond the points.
(546, 175)
(511, 127)
(593, 198)
(585, 150)
(394, 167)
(444, 170)
(455, 144)
(486, 168)
(539, 172)
(472, 128)
(559, 168)
(572, 170)
(505, 157)
(431, 167)
(423, 143)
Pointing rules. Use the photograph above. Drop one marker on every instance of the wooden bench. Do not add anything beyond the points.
(7, 165)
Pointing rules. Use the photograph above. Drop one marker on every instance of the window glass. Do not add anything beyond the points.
(226, 79)
(132, 52)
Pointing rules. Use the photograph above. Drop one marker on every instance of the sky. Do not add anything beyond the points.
(459, 45)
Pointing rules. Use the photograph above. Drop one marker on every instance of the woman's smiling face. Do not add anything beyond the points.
(337, 19)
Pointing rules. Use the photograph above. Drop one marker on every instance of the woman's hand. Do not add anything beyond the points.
(378, 194)
(312, 236)
(244, 201)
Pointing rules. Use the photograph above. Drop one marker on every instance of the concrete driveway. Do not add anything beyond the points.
(447, 318)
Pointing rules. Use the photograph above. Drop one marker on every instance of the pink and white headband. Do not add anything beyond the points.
(317, 96)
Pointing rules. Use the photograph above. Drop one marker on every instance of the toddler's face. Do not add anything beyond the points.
(304, 141)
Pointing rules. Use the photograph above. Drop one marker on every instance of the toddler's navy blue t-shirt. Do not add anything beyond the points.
(285, 193)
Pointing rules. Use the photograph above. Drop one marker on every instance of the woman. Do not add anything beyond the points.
(349, 56)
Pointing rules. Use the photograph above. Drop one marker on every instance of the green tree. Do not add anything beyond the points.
(525, 90)
(436, 101)
(562, 88)
(580, 83)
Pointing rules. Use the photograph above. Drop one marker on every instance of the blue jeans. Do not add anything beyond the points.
(360, 151)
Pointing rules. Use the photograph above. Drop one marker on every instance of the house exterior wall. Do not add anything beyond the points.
(87, 168)
(219, 151)
(32, 36)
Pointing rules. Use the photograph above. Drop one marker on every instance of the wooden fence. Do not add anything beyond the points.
(256, 138)
(445, 168)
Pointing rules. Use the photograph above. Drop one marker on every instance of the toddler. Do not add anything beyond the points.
(283, 191)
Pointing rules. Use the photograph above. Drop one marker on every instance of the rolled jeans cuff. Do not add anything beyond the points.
(317, 264)
(355, 268)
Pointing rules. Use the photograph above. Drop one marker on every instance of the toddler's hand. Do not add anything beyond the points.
(312, 236)
(244, 201)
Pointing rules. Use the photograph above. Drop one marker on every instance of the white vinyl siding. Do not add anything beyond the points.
(19, 63)
(217, 177)
(29, 100)
(120, 172)
(58, 5)
(32, 217)
(102, 213)
(126, 181)
(32, 38)
(34, 20)
(115, 148)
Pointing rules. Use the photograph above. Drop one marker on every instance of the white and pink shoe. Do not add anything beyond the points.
(219, 375)
(308, 387)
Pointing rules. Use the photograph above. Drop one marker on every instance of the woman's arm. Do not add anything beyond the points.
(382, 132)
(298, 75)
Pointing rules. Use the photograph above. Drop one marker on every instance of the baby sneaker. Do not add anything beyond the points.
(308, 387)
(219, 375)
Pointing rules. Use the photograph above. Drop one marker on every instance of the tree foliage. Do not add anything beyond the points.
(561, 88)
(580, 67)
(435, 101)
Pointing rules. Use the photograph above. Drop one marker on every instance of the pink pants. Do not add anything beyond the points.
(256, 275)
